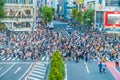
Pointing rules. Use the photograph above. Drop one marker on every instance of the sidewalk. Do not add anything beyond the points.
(113, 70)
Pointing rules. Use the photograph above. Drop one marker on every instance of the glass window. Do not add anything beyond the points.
(112, 2)
(30, 1)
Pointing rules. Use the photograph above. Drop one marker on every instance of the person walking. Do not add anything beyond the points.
(117, 62)
(100, 67)
(103, 66)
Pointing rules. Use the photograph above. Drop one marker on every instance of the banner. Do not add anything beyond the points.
(112, 19)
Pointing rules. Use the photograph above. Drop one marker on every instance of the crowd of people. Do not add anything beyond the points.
(43, 42)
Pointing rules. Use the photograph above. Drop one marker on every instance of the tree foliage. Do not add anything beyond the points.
(80, 1)
(2, 13)
(79, 16)
(74, 10)
(47, 14)
(57, 70)
(88, 17)
(53, 10)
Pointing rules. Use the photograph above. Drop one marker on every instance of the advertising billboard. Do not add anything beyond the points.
(112, 19)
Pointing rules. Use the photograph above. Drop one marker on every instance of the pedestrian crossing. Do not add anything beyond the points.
(43, 58)
(10, 58)
(38, 72)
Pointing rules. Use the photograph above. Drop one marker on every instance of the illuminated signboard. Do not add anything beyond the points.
(112, 19)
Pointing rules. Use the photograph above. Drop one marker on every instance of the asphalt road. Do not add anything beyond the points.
(86, 71)
(65, 28)
(23, 70)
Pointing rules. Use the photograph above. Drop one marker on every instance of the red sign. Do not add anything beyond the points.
(112, 19)
(84, 8)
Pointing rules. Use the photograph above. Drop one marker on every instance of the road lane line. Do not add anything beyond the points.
(17, 70)
(65, 72)
(1, 68)
(87, 68)
(7, 70)
(25, 72)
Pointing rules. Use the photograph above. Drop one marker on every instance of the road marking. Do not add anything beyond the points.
(7, 69)
(65, 72)
(43, 58)
(32, 78)
(41, 67)
(40, 63)
(87, 68)
(3, 59)
(14, 58)
(98, 58)
(107, 58)
(66, 32)
(47, 58)
(9, 58)
(38, 72)
(37, 75)
(26, 72)
(116, 70)
(1, 68)
(17, 70)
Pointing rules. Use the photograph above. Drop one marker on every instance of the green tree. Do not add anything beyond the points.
(79, 16)
(88, 17)
(47, 14)
(2, 13)
(57, 68)
(80, 1)
(53, 10)
(74, 10)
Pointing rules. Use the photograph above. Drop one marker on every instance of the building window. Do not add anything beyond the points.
(30, 1)
(112, 2)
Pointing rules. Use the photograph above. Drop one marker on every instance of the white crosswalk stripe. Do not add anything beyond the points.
(43, 57)
(10, 58)
(38, 72)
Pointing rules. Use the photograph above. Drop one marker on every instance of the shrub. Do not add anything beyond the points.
(57, 69)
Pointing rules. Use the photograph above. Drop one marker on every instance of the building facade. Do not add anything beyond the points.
(107, 13)
(70, 4)
(65, 8)
(20, 14)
